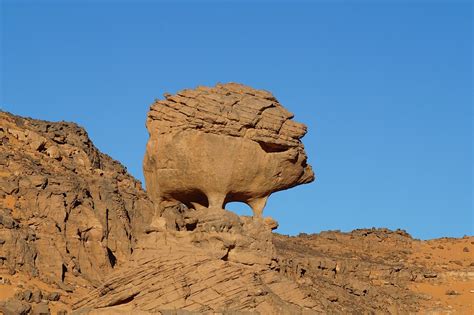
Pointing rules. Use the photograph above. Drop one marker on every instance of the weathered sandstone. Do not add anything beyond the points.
(211, 146)
(66, 210)
(79, 234)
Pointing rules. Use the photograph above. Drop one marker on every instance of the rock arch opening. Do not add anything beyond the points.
(239, 208)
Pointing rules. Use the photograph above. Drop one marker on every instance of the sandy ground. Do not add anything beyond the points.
(452, 291)
(21, 281)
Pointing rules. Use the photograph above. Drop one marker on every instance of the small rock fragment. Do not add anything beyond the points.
(53, 296)
(14, 306)
(65, 287)
(27, 295)
(429, 275)
(40, 309)
(37, 296)
(4, 280)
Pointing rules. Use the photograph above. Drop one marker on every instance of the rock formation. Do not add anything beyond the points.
(78, 233)
(211, 146)
(66, 209)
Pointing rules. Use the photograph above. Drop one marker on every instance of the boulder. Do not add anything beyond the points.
(53, 296)
(214, 145)
(14, 306)
(40, 309)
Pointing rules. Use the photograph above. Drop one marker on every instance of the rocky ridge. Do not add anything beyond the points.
(67, 211)
(79, 234)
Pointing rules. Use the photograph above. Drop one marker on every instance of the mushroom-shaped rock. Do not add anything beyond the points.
(214, 145)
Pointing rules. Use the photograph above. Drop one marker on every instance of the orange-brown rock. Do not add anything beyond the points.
(66, 210)
(215, 145)
(77, 233)
(199, 272)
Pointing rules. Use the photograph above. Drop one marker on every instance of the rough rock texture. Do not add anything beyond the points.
(77, 233)
(382, 271)
(365, 271)
(66, 210)
(214, 145)
(178, 275)
(215, 261)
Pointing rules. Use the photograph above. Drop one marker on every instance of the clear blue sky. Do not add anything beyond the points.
(386, 90)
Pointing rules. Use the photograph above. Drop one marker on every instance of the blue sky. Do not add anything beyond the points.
(386, 90)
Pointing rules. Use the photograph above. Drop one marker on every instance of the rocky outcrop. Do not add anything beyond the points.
(211, 261)
(77, 233)
(215, 145)
(67, 211)
(194, 273)
(364, 271)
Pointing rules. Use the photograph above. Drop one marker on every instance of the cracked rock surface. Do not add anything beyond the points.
(79, 235)
(214, 145)
(67, 210)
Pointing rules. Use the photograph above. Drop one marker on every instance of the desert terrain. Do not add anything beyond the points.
(79, 234)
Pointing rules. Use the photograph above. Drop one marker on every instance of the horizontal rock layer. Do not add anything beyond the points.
(232, 109)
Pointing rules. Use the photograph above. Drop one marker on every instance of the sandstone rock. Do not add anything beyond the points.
(14, 306)
(338, 268)
(74, 220)
(4, 280)
(189, 279)
(53, 296)
(40, 309)
(27, 296)
(211, 146)
(37, 296)
(67, 211)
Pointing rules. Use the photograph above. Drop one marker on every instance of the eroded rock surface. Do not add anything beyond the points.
(77, 233)
(215, 145)
(67, 211)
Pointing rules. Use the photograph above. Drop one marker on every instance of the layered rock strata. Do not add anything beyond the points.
(202, 271)
(215, 145)
(78, 233)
